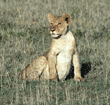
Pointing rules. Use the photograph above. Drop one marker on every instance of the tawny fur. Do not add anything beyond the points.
(62, 52)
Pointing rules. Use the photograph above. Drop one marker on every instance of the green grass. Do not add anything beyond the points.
(24, 36)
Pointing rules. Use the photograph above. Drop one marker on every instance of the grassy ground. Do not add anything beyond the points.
(24, 35)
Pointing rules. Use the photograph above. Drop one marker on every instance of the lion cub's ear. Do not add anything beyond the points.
(67, 18)
(50, 17)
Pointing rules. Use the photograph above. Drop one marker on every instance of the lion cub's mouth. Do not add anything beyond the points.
(55, 35)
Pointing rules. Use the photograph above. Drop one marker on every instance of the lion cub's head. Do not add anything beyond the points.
(58, 25)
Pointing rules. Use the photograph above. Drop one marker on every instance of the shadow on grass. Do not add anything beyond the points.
(86, 67)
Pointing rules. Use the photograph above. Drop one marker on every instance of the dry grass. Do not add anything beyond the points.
(24, 35)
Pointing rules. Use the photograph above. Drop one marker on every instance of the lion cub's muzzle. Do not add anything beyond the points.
(53, 33)
(52, 30)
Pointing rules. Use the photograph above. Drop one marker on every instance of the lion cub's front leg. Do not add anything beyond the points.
(52, 66)
(77, 72)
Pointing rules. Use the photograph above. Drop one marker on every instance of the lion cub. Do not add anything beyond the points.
(57, 61)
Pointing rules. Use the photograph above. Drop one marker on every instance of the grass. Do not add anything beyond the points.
(24, 36)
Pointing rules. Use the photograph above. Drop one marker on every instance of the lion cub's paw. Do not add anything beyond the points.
(78, 79)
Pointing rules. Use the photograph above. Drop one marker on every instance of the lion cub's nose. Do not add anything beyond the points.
(52, 30)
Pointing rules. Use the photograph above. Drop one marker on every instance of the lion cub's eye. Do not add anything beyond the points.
(59, 23)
